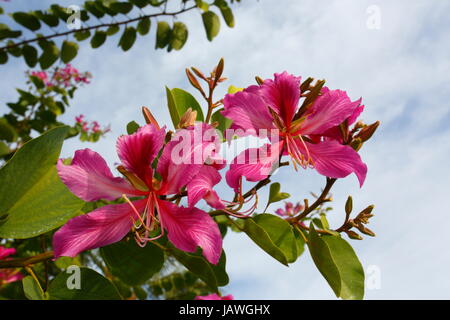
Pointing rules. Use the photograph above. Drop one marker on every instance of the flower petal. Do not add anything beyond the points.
(5, 252)
(248, 112)
(335, 160)
(255, 164)
(184, 156)
(201, 186)
(329, 110)
(89, 178)
(138, 150)
(189, 228)
(98, 228)
(282, 94)
(214, 296)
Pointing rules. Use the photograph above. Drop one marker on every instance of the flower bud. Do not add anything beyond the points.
(259, 80)
(188, 119)
(353, 235)
(367, 132)
(349, 205)
(149, 117)
(193, 80)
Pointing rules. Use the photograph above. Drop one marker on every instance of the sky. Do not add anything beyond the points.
(400, 68)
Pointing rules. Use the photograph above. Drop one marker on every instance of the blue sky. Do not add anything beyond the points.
(401, 71)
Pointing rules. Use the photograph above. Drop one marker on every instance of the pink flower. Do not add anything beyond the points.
(8, 275)
(214, 296)
(79, 119)
(289, 209)
(274, 105)
(89, 178)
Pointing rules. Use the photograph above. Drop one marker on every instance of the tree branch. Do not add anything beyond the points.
(60, 34)
(24, 262)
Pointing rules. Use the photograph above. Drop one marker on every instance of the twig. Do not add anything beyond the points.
(24, 262)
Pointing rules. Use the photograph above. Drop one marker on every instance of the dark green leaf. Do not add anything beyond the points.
(132, 264)
(3, 57)
(112, 30)
(69, 51)
(92, 8)
(338, 263)
(49, 56)
(132, 127)
(31, 193)
(139, 3)
(93, 286)
(27, 20)
(226, 11)
(163, 33)
(82, 35)
(128, 38)
(121, 7)
(211, 23)
(4, 149)
(7, 131)
(98, 39)
(143, 26)
(275, 195)
(31, 55)
(179, 35)
(32, 289)
(49, 19)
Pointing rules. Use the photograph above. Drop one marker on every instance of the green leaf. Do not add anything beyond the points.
(211, 22)
(226, 11)
(300, 240)
(275, 195)
(224, 123)
(132, 127)
(112, 30)
(49, 19)
(232, 89)
(132, 264)
(92, 8)
(82, 35)
(31, 193)
(198, 266)
(69, 51)
(128, 38)
(338, 263)
(4, 149)
(6, 32)
(179, 35)
(7, 131)
(98, 39)
(139, 3)
(93, 286)
(30, 55)
(143, 26)
(3, 57)
(32, 289)
(27, 20)
(121, 7)
(202, 5)
(49, 55)
(281, 234)
(163, 33)
(179, 101)
(263, 240)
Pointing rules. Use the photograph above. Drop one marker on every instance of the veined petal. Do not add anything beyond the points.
(184, 156)
(329, 110)
(282, 94)
(248, 112)
(101, 227)
(5, 252)
(255, 164)
(189, 228)
(138, 150)
(335, 160)
(89, 178)
(201, 186)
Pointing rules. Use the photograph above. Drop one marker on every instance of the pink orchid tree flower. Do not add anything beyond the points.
(273, 107)
(214, 296)
(8, 275)
(289, 209)
(181, 164)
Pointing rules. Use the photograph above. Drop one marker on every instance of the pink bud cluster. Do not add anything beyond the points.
(67, 77)
(90, 127)
(289, 209)
(8, 275)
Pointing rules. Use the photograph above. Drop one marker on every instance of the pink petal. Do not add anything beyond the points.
(282, 94)
(189, 228)
(184, 156)
(255, 164)
(89, 178)
(5, 252)
(329, 110)
(138, 150)
(248, 112)
(98, 228)
(356, 113)
(201, 186)
(214, 296)
(335, 160)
